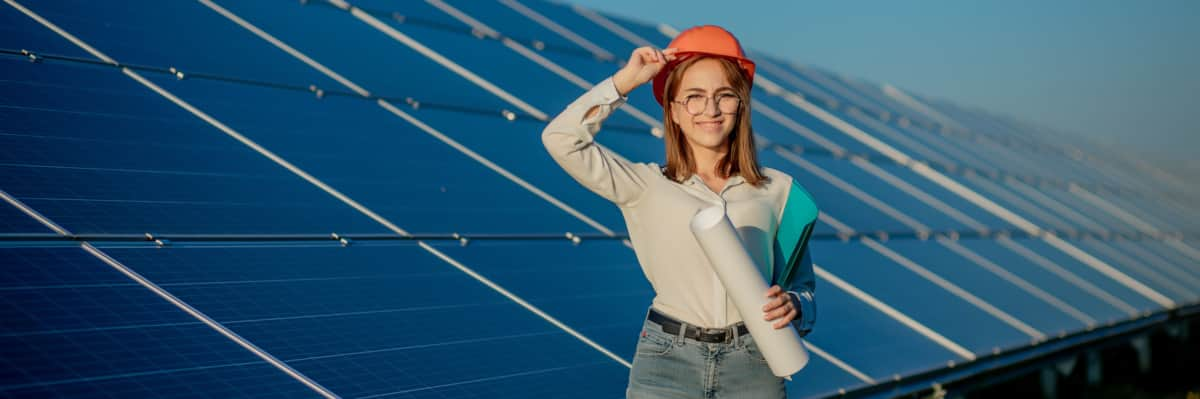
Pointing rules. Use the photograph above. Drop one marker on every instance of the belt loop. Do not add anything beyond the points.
(733, 330)
(683, 326)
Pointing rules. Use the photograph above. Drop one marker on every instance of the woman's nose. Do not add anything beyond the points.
(711, 103)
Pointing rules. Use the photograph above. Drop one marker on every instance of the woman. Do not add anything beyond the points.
(694, 343)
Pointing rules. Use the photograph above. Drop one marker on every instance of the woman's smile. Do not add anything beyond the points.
(710, 126)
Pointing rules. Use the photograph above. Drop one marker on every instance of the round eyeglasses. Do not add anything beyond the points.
(695, 104)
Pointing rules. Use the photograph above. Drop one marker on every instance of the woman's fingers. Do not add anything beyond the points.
(780, 307)
(650, 55)
(644, 63)
(639, 57)
(791, 314)
(773, 291)
(775, 303)
(778, 311)
(669, 54)
(786, 312)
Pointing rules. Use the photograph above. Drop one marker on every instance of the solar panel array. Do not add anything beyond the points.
(321, 198)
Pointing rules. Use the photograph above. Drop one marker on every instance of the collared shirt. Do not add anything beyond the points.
(658, 210)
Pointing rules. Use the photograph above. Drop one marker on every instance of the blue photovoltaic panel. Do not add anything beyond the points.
(509, 19)
(791, 79)
(1158, 216)
(831, 198)
(381, 320)
(12, 220)
(19, 32)
(380, 160)
(1163, 278)
(991, 283)
(1172, 255)
(550, 274)
(360, 149)
(911, 294)
(869, 340)
(1067, 282)
(891, 195)
(99, 153)
(848, 91)
(926, 184)
(515, 146)
(75, 327)
(809, 122)
(521, 77)
(1164, 258)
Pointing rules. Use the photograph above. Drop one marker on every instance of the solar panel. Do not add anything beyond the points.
(74, 327)
(173, 174)
(374, 320)
(320, 198)
(13, 221)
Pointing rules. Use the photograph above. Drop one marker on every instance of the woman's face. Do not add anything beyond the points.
(711, 127)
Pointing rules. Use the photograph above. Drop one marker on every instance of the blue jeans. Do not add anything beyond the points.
(671, 366)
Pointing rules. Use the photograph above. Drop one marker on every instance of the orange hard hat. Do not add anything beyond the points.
(708, 40)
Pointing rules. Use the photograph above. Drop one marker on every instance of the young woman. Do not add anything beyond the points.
(694, 343)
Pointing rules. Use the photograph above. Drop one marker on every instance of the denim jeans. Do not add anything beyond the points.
(671, 366)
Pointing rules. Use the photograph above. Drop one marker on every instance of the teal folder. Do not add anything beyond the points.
(795, 227)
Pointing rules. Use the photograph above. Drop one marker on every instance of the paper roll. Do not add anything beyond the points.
(744, 283)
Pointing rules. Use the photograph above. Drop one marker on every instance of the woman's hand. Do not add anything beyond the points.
(644, 63)
(780, 307)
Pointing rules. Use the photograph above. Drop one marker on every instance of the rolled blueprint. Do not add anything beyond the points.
(744, 283)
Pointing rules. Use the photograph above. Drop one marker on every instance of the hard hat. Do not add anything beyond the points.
(709, 40)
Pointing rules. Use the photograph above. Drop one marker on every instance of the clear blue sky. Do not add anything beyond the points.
(1124, 72)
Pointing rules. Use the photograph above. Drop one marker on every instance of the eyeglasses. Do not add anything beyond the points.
(695, 104)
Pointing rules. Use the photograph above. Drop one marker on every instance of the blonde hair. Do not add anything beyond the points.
(741, 157)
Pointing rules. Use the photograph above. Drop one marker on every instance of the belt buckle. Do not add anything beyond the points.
(726, 337)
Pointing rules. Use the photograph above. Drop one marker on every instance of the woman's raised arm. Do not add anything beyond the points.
(569, 136)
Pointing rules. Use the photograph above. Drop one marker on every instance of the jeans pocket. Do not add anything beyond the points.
(654, 343)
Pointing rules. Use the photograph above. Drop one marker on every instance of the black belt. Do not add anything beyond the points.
(671, 326)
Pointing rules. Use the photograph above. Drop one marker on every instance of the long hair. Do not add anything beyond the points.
(741, 157)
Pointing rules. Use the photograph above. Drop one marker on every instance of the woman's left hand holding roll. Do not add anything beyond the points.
(780, 307)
